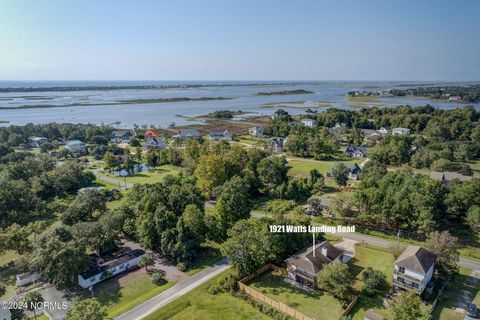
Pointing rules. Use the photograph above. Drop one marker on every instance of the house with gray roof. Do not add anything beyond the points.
(414, 269)
(447, 177)
(356, 152)
(354, 173)
(185, 134)
(306, 264)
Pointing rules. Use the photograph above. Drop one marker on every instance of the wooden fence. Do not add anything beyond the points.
(276, 304)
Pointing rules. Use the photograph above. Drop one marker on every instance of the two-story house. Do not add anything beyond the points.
(414, 269)
(303, 266)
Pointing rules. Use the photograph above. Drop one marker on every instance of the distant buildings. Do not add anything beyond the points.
(100, 272)
(400, 131)
(276, 144)
(354, 173)
(303, 266)
(185, 134)
(356, 152)
(309, 122)
(122, 135)
(221, 135)
(447, 177)
(76, 146)
(256, 132)
(414, 269)
(454, 98)
(35, 142)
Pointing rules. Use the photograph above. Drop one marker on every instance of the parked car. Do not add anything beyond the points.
(472, 310)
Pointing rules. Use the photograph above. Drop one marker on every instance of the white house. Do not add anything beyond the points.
(111, 268)
(383, 131)
(36, 141)
(26, 278)
(306, 264)
(256, 131)
(5, 314)
(221, 136)
(400, 131)
(414, 269)
(76, 146)
(309, 122)
(276, 144)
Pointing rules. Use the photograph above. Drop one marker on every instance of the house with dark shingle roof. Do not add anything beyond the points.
(414, 269)
(447, 177)
(356, 152)
(303, 266)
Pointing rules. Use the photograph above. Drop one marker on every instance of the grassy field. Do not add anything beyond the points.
(208, 256)
(378, 259)
(7, 273)
(302, 167)
(198, 304)
(316, 304)
(151, 176)
(465, 287)
(247, 139)
(123, 293)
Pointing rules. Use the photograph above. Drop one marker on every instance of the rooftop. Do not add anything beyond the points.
(416, 258)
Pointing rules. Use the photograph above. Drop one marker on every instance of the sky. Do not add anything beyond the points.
(239, 40)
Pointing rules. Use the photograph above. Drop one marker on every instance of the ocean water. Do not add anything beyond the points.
(242, 93)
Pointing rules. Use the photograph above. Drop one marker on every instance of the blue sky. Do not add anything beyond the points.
(239, 40)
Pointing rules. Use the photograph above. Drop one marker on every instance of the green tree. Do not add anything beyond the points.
(473, 218)
(336, 279)
(88, 309)
(248, 245)
(445, 246)
(146, 261)
(86, 206)
(374, 282)
(340, 174)
(407, 306)
(272, 171)
(233, 204)
(210, 173)
(31, 299)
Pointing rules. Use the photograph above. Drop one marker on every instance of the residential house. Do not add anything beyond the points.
(256, 131)
(309, 122)
(150, 133)
(296, 124)
(447, 177)
(5, 314)
(76, 146)
(221, 136)
(100, 272)
(400, 131)
(413, 269)
(276, 144)
(306, 264)
(383, 131)
(356, 152)
(122, 135)
(454, 98)
(155, 142)
(26, 278)
(36, 141)
(185, 134)
(354, 173)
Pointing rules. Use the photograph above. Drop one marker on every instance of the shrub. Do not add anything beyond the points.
(227, 283)
(181, 266)
(158, 279)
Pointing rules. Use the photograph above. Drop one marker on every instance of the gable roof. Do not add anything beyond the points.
(305, 260)
(351, 149)
(97, 269)
(416, 258)
(449, 176)
(150, 133)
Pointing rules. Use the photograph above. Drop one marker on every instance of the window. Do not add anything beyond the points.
(400, 279)
(415, 285)
(401, 269)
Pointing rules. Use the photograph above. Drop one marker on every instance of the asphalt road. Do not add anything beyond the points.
(181, 288)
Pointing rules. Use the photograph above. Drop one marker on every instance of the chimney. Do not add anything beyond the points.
(324, 251)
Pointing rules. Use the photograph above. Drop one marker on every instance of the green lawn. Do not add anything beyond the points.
(316, 304)
(464, 284)
(198, 304)
(8, 272)
(378, 259)
(247, 140)
(151, 176)
(123, 293)
(302, 167)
